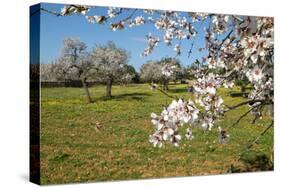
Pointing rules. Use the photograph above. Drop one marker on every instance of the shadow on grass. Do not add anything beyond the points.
(127, 96)
(238, 94)
(177, 90)
(252, 162)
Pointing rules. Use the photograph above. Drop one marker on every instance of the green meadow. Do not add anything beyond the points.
(73, 149)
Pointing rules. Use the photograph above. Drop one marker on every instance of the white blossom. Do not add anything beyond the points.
(152, 43)
(188, 134)
(178, 113)
(139, 20)
(255, 74)
(228, 84)
(95, 19)
(112, 12)
(177, 49)
(223, 136)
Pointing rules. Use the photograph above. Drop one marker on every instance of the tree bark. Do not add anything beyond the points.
(85, 86)
(109, 87)
(165, 85)
(243, 88)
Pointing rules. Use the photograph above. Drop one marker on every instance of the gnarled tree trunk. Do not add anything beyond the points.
(85, 86)
(109, 87)
(165, 85)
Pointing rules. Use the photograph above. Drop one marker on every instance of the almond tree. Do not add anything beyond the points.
(46, 73)
(75, 56)
(58, 70)
(129, 75)
(110, 61)
(163, 71)
(170, 67)
(151, 72)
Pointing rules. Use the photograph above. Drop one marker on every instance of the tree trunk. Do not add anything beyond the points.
(85, 86)
(109, 87)
(165, 85)
(243, 88)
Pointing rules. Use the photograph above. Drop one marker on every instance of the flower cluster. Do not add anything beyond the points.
(168, 69)
(76, 9)
(188, 134)
(177, 49)
(223, 136)
(198, 16)
(113, 12)
(95, 19)
(216, 63)
(206, 84)
(174, 25)
(153, 86)
(152, 43)
(220, 23)
(178, 113)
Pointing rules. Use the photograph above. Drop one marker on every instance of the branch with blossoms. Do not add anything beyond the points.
(206, 85)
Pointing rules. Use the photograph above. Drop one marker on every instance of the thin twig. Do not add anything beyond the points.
(192, 44)
(244, 103)
(262, 133)
(227, 36)
(130, 16)
(241, 117)
(163, 92)
(191, 48)
(250, 145)
(51, 12)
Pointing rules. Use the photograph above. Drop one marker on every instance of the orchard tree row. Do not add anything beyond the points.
(104, 63)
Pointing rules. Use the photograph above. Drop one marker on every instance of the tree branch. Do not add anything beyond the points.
(261, 134)
(51, 12)
(227, 36)
(250, 145)
(163, 92)
(247, 102)
(241, 117)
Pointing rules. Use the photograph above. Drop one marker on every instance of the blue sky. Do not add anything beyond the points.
(54, 29)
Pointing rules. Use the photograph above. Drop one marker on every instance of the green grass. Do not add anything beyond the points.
(72, 150)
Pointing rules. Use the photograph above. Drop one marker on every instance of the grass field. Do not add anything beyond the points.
(73, 150)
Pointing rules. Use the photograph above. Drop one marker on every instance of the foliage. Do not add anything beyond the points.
(150, 72)
(110, 61)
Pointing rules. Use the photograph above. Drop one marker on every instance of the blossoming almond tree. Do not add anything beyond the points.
(75, 57)
(151, 72)
(237, 47)
(162, 71)
(170, 67)
(111, 64)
